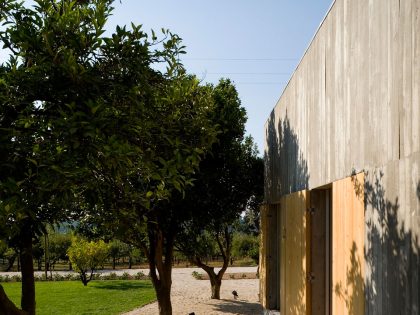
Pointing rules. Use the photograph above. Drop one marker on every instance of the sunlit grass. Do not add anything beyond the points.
(99, 297)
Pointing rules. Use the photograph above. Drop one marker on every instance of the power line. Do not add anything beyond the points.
(261, 83)
(239, 59)
(249, 73)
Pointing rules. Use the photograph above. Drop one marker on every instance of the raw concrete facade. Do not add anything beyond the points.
(353, 107)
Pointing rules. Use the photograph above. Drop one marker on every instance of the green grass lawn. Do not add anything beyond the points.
(99, 297)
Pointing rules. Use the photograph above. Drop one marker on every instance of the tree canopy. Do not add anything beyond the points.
(87, 123)
(229, 183)
(112, 132)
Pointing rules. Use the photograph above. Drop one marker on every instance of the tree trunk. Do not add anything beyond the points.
(83, 277)
(164, 299)
(7, 307)
(160, 263)
(216, 279)
(10, 262)
(216, 283)
(27, 265)
(46, 255)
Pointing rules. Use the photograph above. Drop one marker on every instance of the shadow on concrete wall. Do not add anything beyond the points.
(286, 169)
(391, 252)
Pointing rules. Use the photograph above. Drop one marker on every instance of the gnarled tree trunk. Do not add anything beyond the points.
(216, 279)
(160, 262)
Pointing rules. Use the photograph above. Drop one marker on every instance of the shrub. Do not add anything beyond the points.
(125, 276)
(197, 275)
(86, 256)
(57, 277)
(140, 276)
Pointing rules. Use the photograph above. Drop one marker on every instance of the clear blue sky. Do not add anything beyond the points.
(255, 43)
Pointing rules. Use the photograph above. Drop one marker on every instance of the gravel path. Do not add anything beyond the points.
(191, 295)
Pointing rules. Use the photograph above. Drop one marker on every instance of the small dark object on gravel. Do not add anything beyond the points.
(235, 294)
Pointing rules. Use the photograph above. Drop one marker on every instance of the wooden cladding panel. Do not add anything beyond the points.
(294, 254)
(348, 267)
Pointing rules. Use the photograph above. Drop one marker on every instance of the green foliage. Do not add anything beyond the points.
(197, 275)
(9, 254)
(88, 127)
(229, 182)
(69, 298)
(117, 250)
(87, 256)
(58, 244)
(245, 245)
(86, 120)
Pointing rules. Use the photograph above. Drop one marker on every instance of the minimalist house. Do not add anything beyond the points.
(341, 219)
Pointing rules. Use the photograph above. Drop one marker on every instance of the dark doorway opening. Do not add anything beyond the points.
(319, 274)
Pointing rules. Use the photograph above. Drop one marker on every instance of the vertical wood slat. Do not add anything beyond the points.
(294, 254)
(348, 246)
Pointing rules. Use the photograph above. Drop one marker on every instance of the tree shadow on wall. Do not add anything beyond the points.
(295, 297)
(352, 291)
(286, 169)
(391, 251)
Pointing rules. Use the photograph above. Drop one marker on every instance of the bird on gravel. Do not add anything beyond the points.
(235, 294)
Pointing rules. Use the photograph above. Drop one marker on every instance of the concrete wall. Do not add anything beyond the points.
(352, 105)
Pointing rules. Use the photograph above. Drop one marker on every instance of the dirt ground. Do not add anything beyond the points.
(192, 295)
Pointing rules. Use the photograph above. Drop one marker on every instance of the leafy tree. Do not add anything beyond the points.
(135, 255)
(86, 256)
(38, 252)
(58, 244)
(229, 182)
(249, 222)
(246, 245)
(86, 122)
(118, 250)
(8, 253)
(42, 83)
(153, 227)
